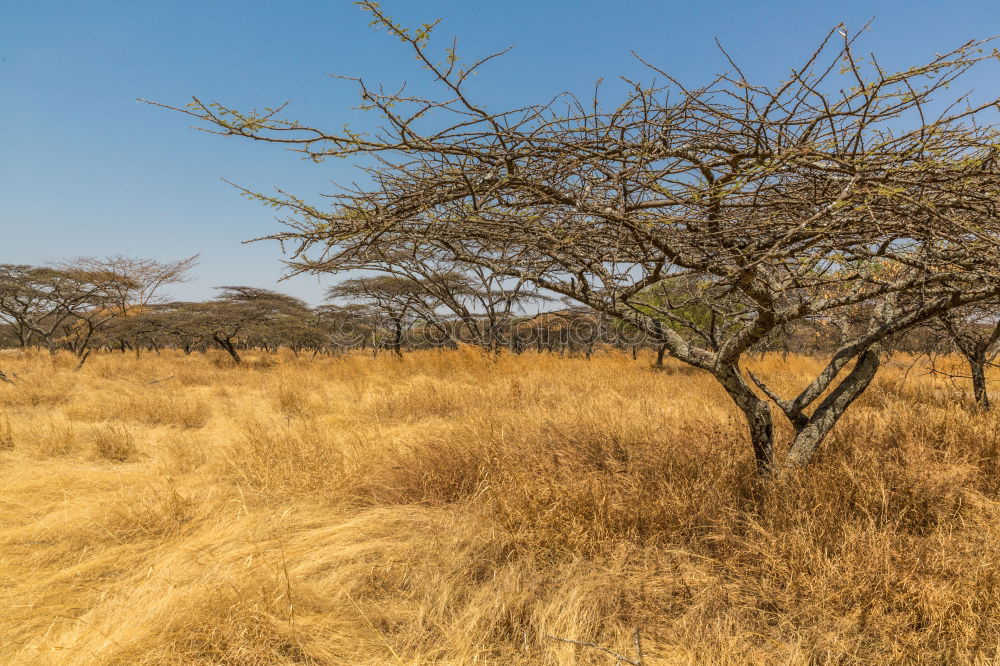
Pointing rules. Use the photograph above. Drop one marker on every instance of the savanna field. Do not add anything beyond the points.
(458, 508)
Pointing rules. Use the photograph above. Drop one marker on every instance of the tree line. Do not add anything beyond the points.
(116, 304)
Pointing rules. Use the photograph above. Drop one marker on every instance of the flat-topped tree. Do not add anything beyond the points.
(106, 289)
(484, 303)
(844, 191)
(70, 302)
(391, 306)
(237, 313)
(344, 326)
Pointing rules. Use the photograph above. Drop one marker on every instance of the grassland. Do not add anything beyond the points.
(454, 508)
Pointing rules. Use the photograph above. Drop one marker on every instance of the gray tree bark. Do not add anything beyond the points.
(977, 367)
(811, 431)
(758, 416)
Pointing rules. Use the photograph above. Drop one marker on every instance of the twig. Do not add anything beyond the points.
(637, 638)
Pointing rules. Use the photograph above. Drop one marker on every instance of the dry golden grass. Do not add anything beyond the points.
(454, 508)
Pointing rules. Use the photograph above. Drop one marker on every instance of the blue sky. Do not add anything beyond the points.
(85, 169)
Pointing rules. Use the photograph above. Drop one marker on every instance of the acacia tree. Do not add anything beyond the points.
(180, 322)
(843, 189)
(114, 287)
(15, 302)
(79, 297)
(484, 302)
(37, 301)
(974, 332)
(344, 326)
(392, 305)
(239, 312)
(130, 283)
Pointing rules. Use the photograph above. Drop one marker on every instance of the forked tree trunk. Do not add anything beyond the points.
(228, 345)
(811, 431)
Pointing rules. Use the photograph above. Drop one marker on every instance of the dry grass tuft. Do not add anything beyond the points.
(146, 513)
(151, 406)
(460, 508)
(51, 436)
(114, 442)
(6, 433)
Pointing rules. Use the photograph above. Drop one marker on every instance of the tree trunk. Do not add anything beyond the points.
(660, 353)
(397, 340)
(757, 413)
(977, 366)
(227, 344)
(813, 430)
(83, 359)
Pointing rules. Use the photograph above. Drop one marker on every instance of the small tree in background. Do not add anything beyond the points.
(239, 312)
(391, 306)
(973, 332)
(115, 287)
(38, 301)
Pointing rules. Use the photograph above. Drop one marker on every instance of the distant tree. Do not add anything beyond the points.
(239, 312)
(129, 283)
(391, 306)
(136, 331)
(483, 302)
(974, 332)
(297, 333)
(179, 323)
(344, 326)
(37, 301)
(114, 287)
(70, 302)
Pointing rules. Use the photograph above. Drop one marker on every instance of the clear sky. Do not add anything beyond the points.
(85, 169)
